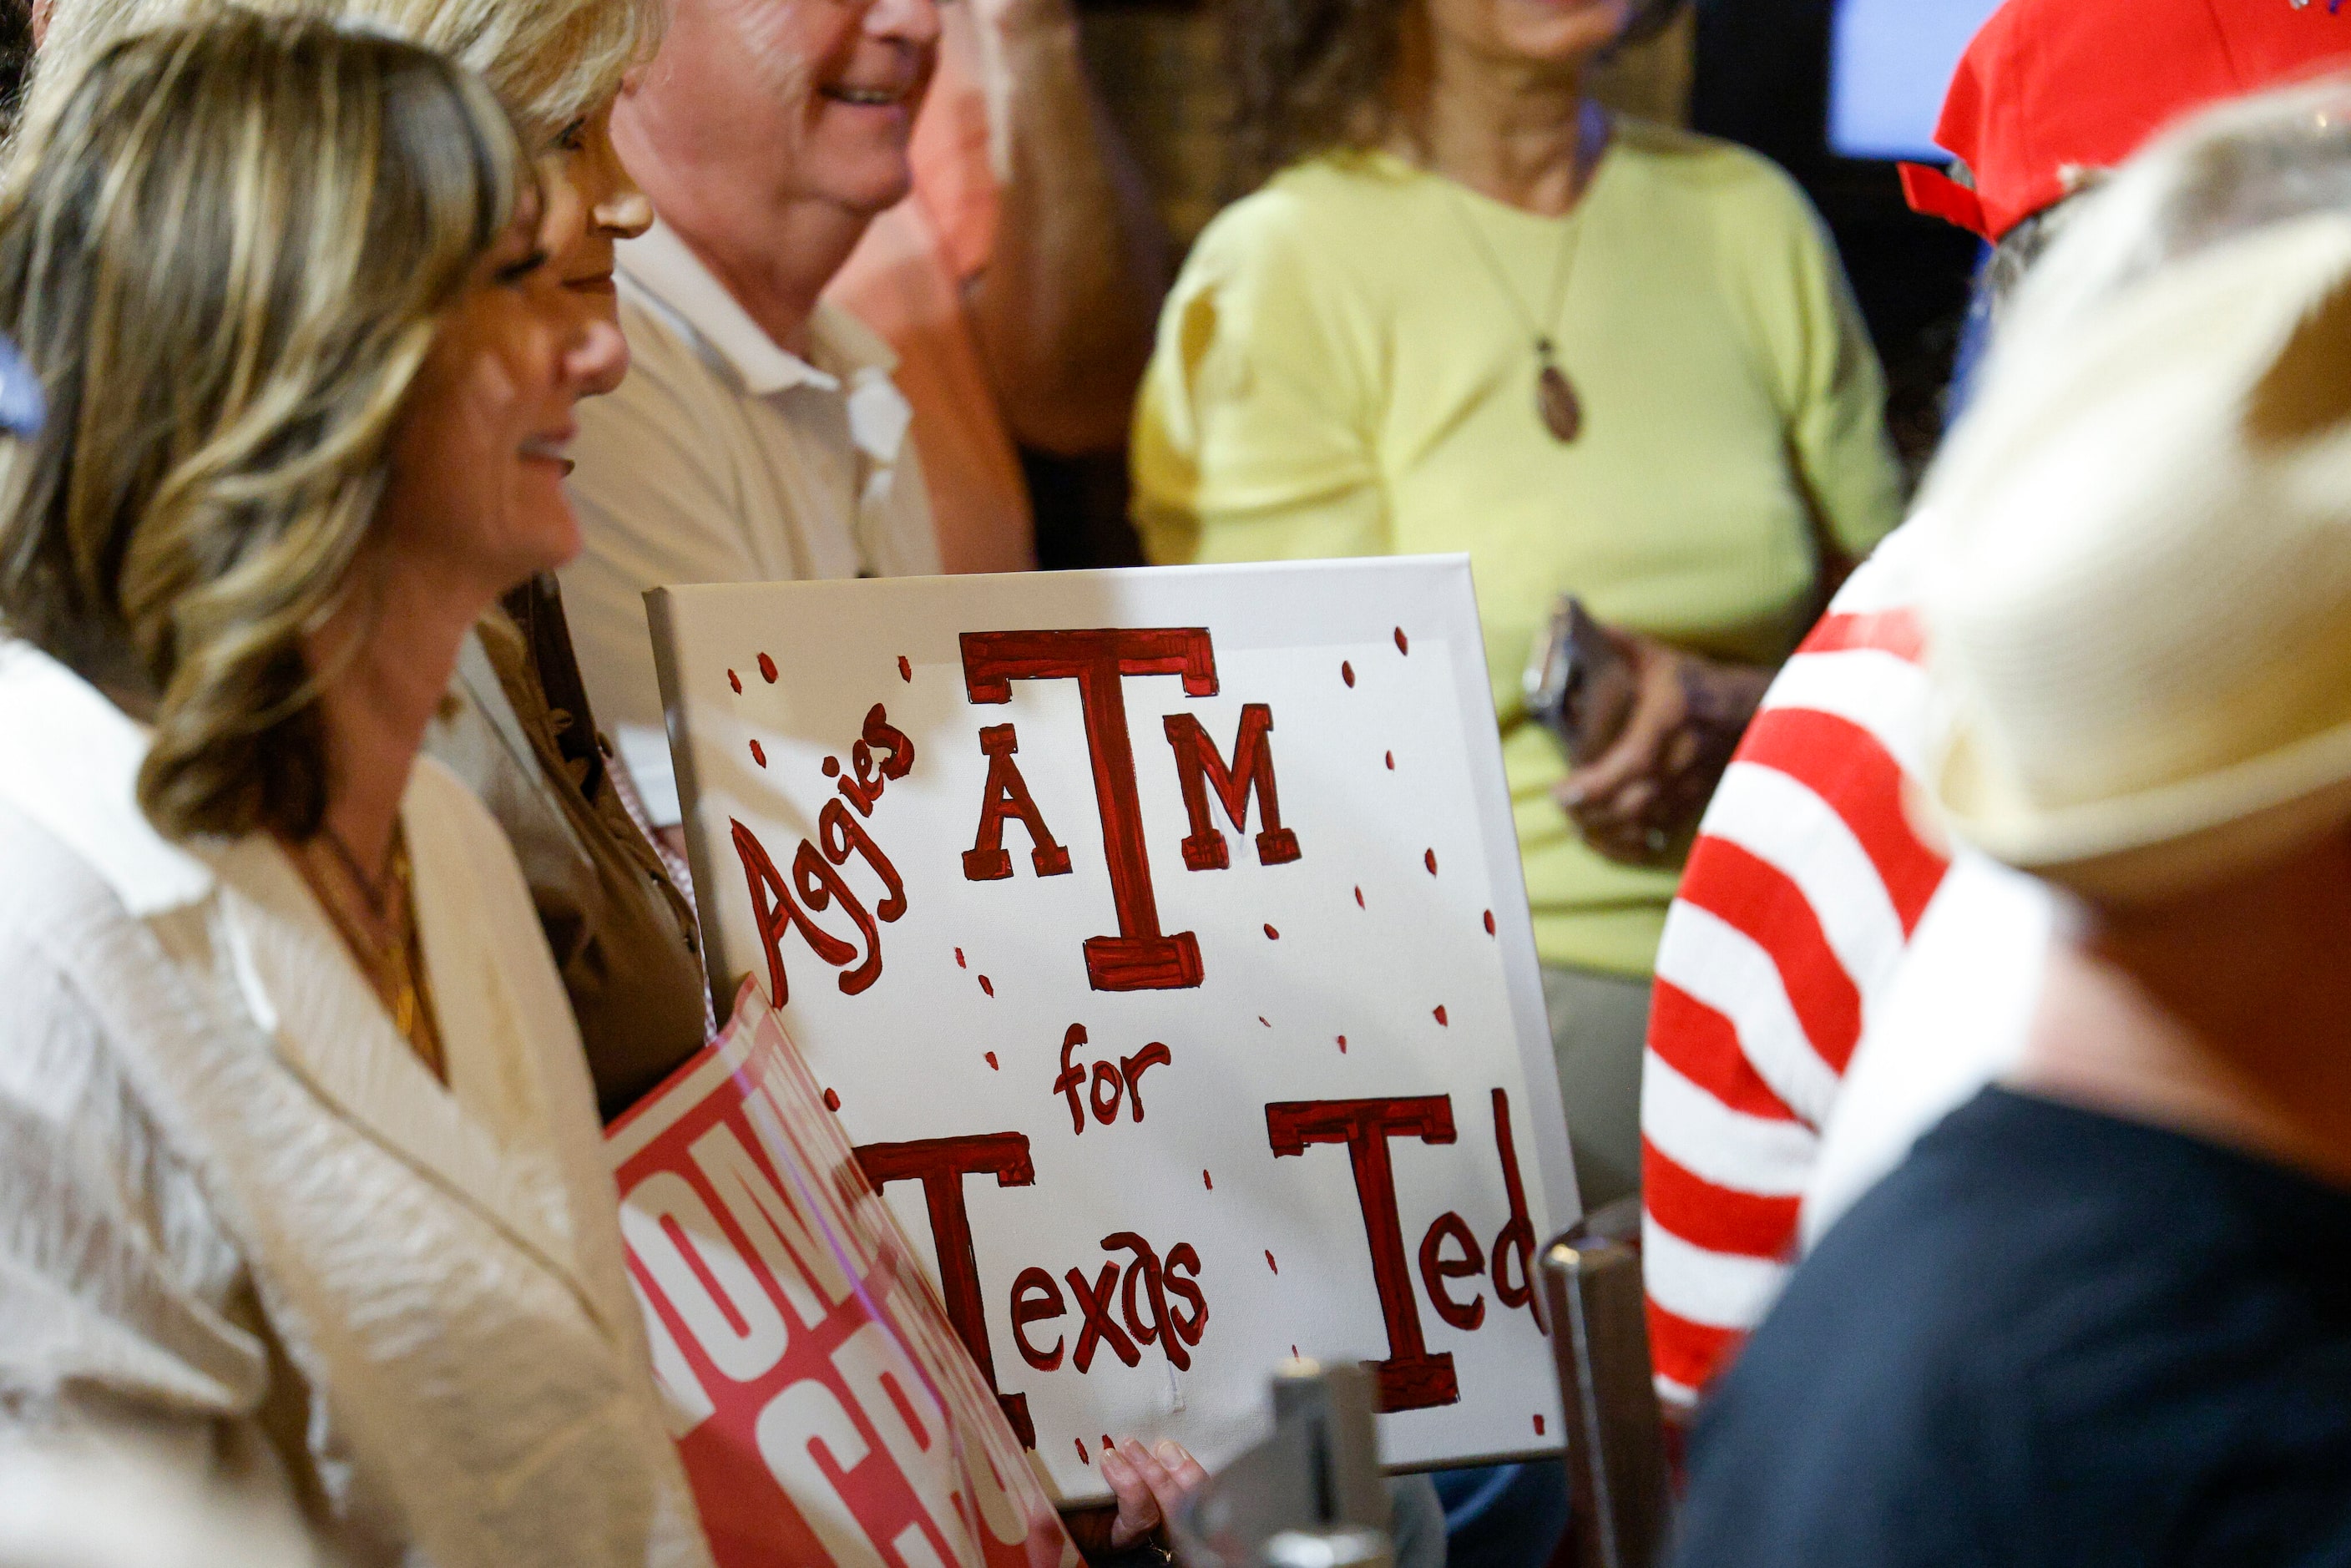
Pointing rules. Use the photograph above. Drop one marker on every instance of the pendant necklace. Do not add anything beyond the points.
(394, 964)
(1556, 402)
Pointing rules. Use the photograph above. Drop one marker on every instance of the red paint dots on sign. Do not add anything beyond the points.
(1359, 899)
(758, 754)
(1260, 1018)
(991, 1062)
(831, 1101)
(1489, 923)
(1391, 761)
(1293, 1353)
(1206, 1182)
(959, 963)
(1438, 1014)
(735, 681)
(1428, 859)
(1539, 1426)
(1346, 672)
(767, 669)
(1271, 935)
(832, 766)
(987, 985)
(1342, 1045)
(1404, 645)
(1269, 1262)
(906, 670)
(1081, 1442)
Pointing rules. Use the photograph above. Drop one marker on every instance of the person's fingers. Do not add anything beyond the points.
(1139, 1501)
(1659, 708)
(1138, 1509)
(1681, 752)
(1189, 1473)
(1633, 802)
(1167, 1489)
(1633, 754)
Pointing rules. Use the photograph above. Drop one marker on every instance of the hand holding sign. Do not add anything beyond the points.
(1150, 1484)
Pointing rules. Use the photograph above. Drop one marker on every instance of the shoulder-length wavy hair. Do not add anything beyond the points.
(1314, 75)
(226, 259)
(550, 62)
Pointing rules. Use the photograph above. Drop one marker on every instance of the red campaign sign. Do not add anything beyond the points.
(821, 1403)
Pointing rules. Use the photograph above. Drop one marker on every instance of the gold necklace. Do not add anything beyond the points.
(394, 967)
(1556, 402)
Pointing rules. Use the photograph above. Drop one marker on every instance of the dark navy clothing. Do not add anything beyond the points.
(2051, 1337)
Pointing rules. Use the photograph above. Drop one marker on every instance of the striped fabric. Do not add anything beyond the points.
(1800, 895)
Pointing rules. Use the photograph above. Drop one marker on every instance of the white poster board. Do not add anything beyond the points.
(1159, 937)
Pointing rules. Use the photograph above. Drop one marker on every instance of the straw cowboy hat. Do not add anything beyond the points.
(2139, 577)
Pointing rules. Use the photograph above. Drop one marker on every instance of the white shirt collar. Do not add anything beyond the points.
(71, 765)
(664, 269)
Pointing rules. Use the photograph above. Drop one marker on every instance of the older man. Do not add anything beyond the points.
(2101, 1314)
(764, 434)
(759, 437)
(1020, 282)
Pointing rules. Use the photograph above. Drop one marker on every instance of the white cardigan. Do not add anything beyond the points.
(235, 1208)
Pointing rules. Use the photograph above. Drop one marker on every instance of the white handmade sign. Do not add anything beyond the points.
(1159, 938)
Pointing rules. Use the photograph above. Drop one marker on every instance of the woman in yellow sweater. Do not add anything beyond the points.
(1470, 311)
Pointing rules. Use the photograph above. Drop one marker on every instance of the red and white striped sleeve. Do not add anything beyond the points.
(1800, 898)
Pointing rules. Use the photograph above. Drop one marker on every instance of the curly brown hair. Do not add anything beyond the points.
(1313, 75)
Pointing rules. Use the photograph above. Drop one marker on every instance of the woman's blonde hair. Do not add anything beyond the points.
(226, 259)
(550, 62)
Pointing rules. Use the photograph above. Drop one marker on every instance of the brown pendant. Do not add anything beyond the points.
(1555, 399)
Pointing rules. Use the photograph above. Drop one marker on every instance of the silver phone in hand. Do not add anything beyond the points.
(1578, 683)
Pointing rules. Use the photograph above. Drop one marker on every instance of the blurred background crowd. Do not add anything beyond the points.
(1925, 427)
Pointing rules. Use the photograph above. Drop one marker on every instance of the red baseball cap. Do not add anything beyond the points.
(2052, 87)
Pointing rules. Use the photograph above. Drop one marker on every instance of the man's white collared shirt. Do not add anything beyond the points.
(725, 458)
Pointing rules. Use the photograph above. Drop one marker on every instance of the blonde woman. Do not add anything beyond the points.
(300, 1170)
(522, 734)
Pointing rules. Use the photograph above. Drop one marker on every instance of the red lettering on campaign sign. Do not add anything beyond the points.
(1110, 1086)
(1198, 769)
(1515, 1239)
(1411, 1377)
(1035, 1298)
(1141, 957)
(777, 913)
(1008, 796)
(1094, 1301)
(1436, 1269)
(940, 1165)
(779, 908)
